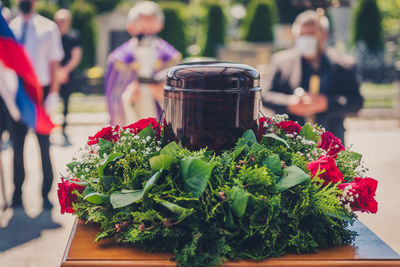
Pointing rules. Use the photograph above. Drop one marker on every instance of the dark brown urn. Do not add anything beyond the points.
(210, 104)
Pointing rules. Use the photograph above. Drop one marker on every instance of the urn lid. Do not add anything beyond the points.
(212, 76)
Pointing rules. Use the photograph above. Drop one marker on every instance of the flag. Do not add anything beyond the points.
(25, 93)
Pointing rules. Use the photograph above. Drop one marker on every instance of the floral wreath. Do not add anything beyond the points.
(285, 188)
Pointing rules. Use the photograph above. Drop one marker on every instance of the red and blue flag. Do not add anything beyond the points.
(27, 93)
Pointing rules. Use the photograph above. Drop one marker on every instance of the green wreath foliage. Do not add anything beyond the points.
(254, 201)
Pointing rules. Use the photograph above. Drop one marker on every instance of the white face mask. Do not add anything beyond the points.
(307, 45)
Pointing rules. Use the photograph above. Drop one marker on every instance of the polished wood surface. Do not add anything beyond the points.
(368, 250)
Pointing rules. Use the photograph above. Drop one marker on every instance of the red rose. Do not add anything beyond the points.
(290, 127)
(331, 173)
(66, 196)
(142, 124)
(263, 124)
(331, 144)
(360, 194)
(108, 133)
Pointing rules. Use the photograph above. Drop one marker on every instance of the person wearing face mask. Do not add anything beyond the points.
(42, 42)
(136, 69)
(312, 82)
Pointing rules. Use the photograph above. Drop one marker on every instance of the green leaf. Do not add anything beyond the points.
(161, 162)
(121, 199)
(308, 133)
(273, 162)
(125, 197)
(72, 165)
(247, 139)
(292, 176)
(148, 131)
(106, 161)
(275, 137)
(178, 210)
(88, 190)
(239, 201)
(229, 219)
(105, 146)
(195, 174)
(96, 198)
(150, 183)
(238, 150)
(108, 181)
(340, 216)
(169, 149)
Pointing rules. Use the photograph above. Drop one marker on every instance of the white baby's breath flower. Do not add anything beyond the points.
(75, 169)
(82, 176)
(136, 137)
(86, 169)
(158, 149)
(347, 206)
(148, 138)
(144, 141)
(105, 155)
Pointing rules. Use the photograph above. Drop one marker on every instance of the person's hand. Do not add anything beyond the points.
(63, 75)
(135, 92)
(51, 102)
(300, 106)
(158, 91)
(319, 103)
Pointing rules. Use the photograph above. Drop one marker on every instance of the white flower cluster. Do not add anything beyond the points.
(280, 117)
(87, 154)
(347, 197)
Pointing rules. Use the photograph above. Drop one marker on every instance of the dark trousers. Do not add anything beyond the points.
(18, 132)
(65, 92)
(18, 135)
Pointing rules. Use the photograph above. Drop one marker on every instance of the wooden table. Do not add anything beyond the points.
(368, 250)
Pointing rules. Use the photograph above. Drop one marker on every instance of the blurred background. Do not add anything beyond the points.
(245, 31)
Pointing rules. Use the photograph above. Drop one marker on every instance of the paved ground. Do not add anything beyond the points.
(36, 239)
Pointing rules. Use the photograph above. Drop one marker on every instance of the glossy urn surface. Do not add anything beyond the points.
(210, 104)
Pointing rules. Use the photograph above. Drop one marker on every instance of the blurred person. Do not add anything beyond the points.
(71, 60)
(41, 40)
(6, 12)
(137, 68)
(312, 82)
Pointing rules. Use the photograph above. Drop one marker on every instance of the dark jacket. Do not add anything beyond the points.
(339, 84)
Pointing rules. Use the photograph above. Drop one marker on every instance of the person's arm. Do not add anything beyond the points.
(76, 56)
(54, 82)
(279, 97)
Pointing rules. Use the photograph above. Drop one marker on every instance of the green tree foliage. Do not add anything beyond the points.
(6, 3)
(390, 10)
(46, 9)
(215, 30)
(287, 11)
(174, 28)
(103, 6)
(367, 25)
(259, 21)
(83, 15)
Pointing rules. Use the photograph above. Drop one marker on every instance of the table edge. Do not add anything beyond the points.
(70, 238)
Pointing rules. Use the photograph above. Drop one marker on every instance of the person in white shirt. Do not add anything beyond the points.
(42, 41)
